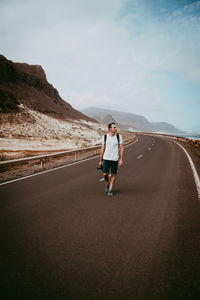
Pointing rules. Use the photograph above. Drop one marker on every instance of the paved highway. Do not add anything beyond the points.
(62, 237)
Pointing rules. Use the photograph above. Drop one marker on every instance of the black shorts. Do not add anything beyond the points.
(107, 164)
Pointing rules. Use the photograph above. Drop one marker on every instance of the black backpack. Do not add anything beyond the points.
(105, 138)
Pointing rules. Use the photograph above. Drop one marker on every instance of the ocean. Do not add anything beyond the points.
(191, 137)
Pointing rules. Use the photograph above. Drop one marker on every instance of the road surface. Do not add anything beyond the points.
(63, 238)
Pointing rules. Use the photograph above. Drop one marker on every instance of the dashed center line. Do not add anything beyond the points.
(102, 179)
(149, 149)
(139, 156)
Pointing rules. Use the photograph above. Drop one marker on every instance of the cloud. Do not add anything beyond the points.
(170, 43)
(102, 53)
(193, 7)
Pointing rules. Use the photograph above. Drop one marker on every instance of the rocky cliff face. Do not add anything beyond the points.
(28, 85)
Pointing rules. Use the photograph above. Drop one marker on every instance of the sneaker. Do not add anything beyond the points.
(110, 193)
(107, 187)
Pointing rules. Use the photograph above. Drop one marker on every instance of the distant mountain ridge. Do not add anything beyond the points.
(21, 83)
(129, 120)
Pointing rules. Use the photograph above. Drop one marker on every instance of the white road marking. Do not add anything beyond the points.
(196, 176)
(102, 179)
(139, 156)
(47, 171)
(149, 149)
(132, 143)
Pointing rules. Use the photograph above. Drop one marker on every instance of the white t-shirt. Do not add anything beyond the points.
(112, 152)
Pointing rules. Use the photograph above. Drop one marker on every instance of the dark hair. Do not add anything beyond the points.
(110, 125)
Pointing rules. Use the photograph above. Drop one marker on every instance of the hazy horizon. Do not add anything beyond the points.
(84, 110)
(137, 56)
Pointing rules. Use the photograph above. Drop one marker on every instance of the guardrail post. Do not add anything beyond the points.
(41, 163)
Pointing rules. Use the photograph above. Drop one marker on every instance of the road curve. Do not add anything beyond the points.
(63, 238)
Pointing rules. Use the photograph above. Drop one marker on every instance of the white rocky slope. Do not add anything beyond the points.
(32, 130)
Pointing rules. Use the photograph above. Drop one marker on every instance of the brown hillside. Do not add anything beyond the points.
(27, 84)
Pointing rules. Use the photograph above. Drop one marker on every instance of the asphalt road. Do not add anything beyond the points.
(63, 238)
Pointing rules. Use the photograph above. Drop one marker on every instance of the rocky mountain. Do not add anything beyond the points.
(25, 84)
(129, 120)
(108, 119)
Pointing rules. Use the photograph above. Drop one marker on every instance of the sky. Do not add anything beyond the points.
(137, 56)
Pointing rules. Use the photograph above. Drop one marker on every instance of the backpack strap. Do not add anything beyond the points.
(105, 138)
(118, 138)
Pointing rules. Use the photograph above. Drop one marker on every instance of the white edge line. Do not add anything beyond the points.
(196, 176)
(47, 171)
(57, 168)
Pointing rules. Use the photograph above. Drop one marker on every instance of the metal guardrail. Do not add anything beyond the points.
(75, 155)
(43, 157)
(169, 136)
(17, 168)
